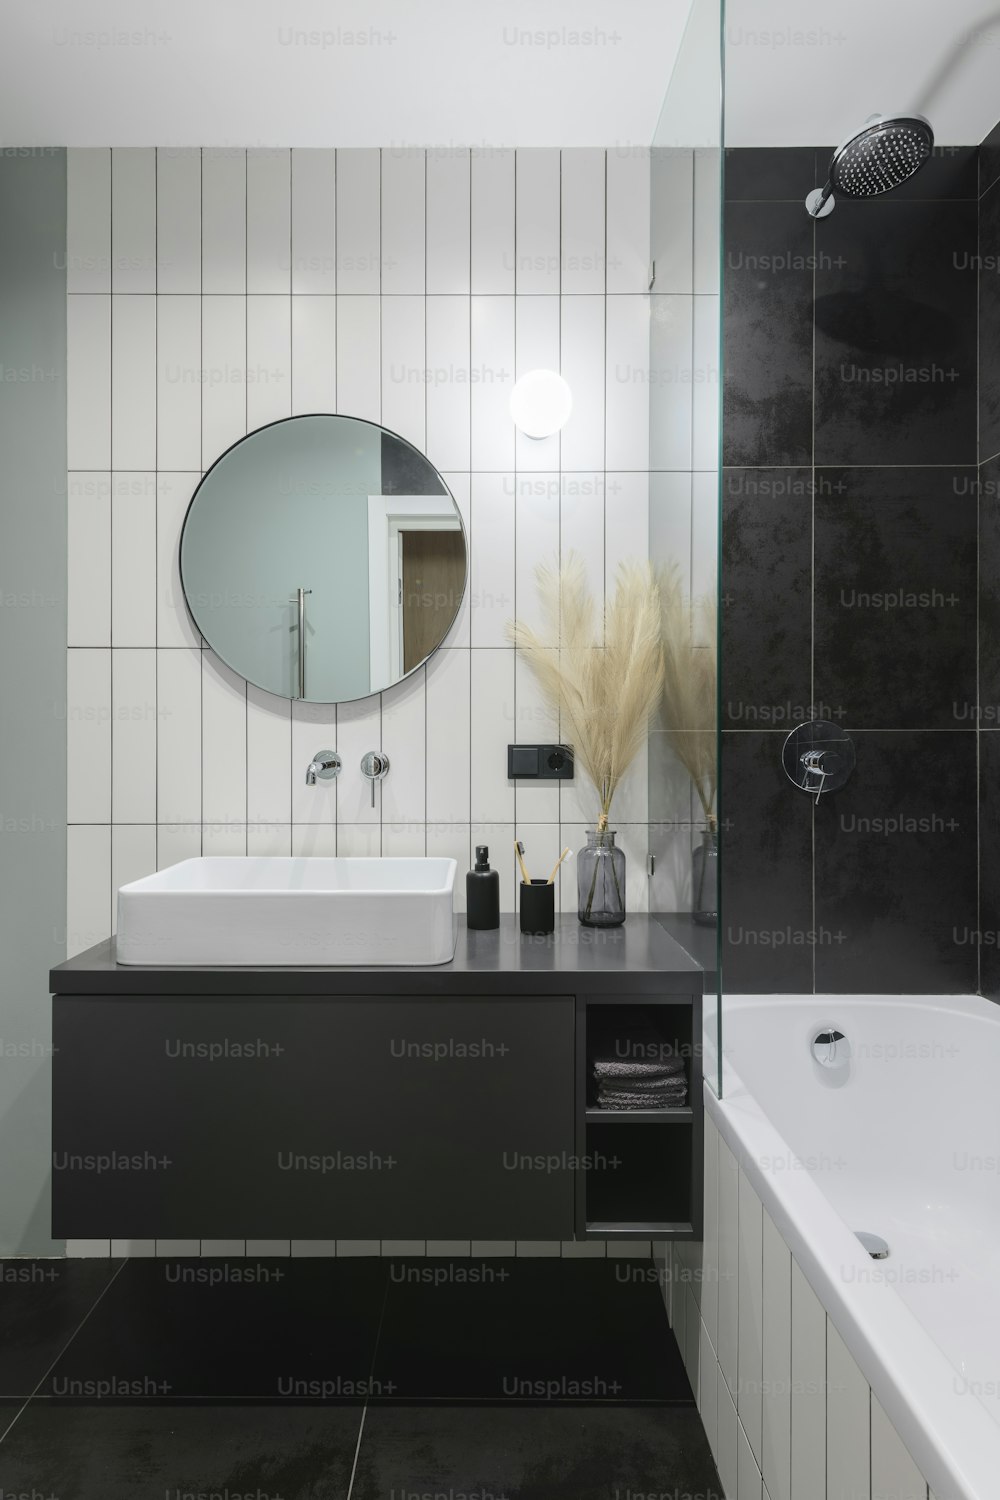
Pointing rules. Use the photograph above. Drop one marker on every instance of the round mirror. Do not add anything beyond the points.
(323, 558)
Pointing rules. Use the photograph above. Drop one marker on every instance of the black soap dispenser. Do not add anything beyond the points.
(482, 893)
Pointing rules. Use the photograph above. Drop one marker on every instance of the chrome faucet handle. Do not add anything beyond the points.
(374, 767)
(325, 765)
(812, 762)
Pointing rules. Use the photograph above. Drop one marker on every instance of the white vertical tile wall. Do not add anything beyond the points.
(211, 291)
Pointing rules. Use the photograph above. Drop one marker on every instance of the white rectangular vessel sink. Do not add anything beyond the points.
(234, 911)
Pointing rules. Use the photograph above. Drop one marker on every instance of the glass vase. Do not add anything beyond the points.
(600, 877)
(705, 880)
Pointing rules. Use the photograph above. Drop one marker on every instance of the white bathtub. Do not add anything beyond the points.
(905, 1142)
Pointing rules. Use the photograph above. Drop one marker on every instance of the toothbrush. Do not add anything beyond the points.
(519, 851)
(566, 852)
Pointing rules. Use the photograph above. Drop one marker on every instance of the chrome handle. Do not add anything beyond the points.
(375, 767)
(812, 763)
(300, 600)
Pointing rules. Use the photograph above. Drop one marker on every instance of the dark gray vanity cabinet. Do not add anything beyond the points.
(345, 1117)
(320, 1104)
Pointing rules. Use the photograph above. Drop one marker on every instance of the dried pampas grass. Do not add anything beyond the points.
(688, 708)
(606, 695)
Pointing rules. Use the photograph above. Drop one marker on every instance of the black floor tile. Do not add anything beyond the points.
(262, 1330)
(523, 1453)
(527, 1330)
(146, 1452)
(42, 1303)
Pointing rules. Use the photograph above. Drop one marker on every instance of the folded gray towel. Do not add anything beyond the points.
(645, 1085)
(632, 1101)
(673, 1091)
(666, 1066)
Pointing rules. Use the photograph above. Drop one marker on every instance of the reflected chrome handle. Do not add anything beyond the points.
(300, 600)
(375, 767)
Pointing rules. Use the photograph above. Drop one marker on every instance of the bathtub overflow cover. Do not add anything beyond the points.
(877, 1247)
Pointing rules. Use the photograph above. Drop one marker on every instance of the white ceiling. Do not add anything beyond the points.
(459, 72)
(809, 72)
(430, 72)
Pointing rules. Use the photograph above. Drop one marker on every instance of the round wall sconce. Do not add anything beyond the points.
(540, 403)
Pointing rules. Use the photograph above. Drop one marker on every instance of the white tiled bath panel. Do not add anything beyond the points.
(405, 286)
(799, 1420)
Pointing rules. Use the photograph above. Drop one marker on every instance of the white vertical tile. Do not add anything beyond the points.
(314, 840)
(88, 886)
(269, 360)
(223, 837)
(582, 367)
(537, 226)
(748, 1480)
(88, 602)
(533, 1249)
(314, 728)
(671, 375)
(360, 840)
(314, 220)
(728, 1340)
(710, 1230)
(848, 1416)
(671, 228)
(178, 740)
(704, 540)
(749, 1375)
(582, 220)
(627, 437)
(894, 1474)
(177, 841)
(271, 839)
(403, 357)
(533, 722)
(314, 354)
(581, 532)
(88, 219)
(492, 215)
(133, 219)
(492, 720)
(133, 382)
(178, 219)
(178, 1247)
(452, 841)
(403, 237)
(447, 220)
(707, 220)
(269, 220)
(133, 742)
(537, 507)
(224, 360)
(537, 347)
(88, 1249)
(269, 754)
(776, 1364)
(358, 233)
(491, 575)
(223, 219)
(460, 487)
(706, 386)
(359, 375)
(708, 1389)
(626, 507)
(406, 840)
(88, 382)
(727, 1456)
(223, 743)
(88, 736)
(178, 382)
(628, 218)
(224, 1247)
(133, 857)
(808, 1389)
(449, 736)
(174, 626)
(448, 411)
(359, 729)
(492, 332)
(404, 724)
(133, 559)
(133, 1249)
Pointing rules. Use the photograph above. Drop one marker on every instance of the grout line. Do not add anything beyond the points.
(89, 1313)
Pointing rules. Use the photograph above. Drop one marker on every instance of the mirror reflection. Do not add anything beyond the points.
(323, 558)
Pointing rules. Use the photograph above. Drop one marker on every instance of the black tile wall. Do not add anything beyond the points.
(987, 935)
(850, 550)
(988, 705)
(989, 324)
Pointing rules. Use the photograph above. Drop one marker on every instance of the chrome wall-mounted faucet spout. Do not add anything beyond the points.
(325, 765)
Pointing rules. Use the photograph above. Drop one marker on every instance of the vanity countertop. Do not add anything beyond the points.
(571, 960)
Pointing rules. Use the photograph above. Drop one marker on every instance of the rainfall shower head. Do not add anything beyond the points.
(875, 160)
